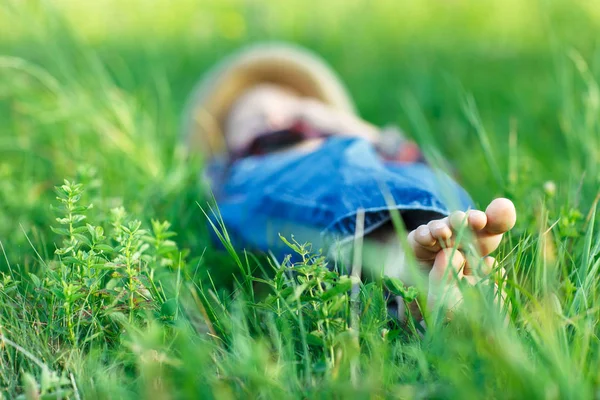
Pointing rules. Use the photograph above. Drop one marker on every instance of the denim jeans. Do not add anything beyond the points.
(316, 196)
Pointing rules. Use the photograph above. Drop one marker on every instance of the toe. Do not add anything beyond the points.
(477, 220)
(440, 229)
(423, 236)
(422, 253)
(501, 216)
(458, 220)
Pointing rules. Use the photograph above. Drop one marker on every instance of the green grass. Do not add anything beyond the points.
(105, 302)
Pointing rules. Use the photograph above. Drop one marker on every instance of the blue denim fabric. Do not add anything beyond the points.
(315, 196)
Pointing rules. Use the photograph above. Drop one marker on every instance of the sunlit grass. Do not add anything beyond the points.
(92, 92)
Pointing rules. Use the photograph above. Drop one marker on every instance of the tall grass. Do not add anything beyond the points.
(111, 301)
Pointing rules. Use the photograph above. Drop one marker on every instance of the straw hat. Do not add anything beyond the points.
(282, 64)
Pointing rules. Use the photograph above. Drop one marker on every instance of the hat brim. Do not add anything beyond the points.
(281, 64)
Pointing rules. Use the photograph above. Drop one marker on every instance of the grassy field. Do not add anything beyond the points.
(129, 299)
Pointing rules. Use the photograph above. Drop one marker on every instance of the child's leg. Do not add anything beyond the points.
(431, 245)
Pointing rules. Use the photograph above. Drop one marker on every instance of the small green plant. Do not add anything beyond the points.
(310, 298)
(103, 278)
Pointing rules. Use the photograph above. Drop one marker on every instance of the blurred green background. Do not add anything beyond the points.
(505, 90)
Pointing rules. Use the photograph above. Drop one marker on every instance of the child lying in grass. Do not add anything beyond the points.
(289, 156)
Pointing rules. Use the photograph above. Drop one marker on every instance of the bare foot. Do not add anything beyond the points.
(435, 246)
(436, 249)
(486, 229)
(450, 267)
